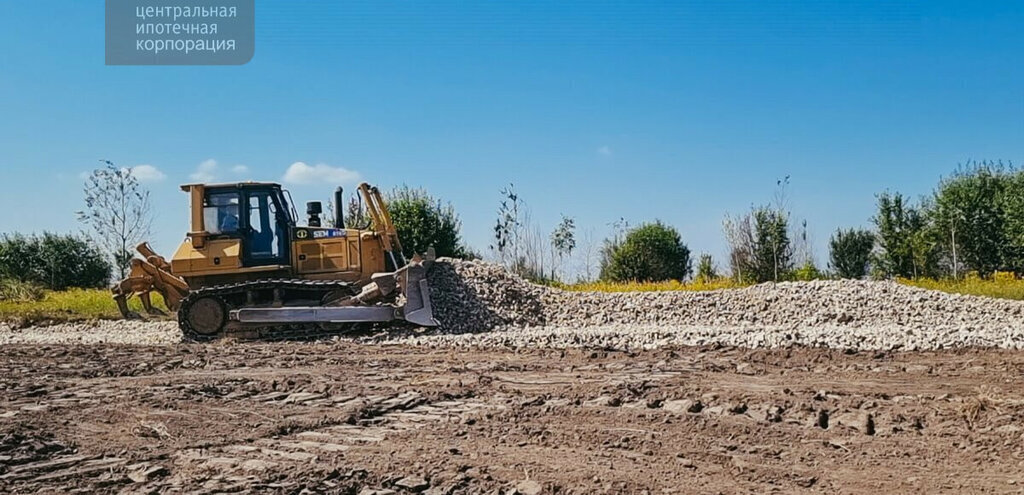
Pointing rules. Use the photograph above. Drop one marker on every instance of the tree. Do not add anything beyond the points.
(611, 244)
(355, 215)
(423, 221)
(740, 236)
(760, 247)
(118, 210)
(850, 252)
(969, 216)
(53, 261)
(589, 255)
(563, 241)
(905, 249)
(772, 252)
(519, 244)
(1013, 224)
(650, 252)
(508, 228)
(706, 268)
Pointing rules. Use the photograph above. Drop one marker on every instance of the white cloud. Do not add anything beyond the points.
(205, 172)
(302, 174)
(605, 150)
(147, 173)
(239, 169)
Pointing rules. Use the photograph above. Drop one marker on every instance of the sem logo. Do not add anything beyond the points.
(323, 234)
(301, 234)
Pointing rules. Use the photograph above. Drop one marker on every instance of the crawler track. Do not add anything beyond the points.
(234, 296)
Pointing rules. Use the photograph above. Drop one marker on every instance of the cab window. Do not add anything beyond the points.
(220, 212)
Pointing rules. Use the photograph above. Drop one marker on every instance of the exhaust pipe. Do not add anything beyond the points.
(339, 216)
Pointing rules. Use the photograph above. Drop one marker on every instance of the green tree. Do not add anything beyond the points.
(903, 238)
(650, 252)
(423, 221)
(53, 261)
(563, 241)
(970, 219)
(850, 252)
(772, 253)
(1013, 223)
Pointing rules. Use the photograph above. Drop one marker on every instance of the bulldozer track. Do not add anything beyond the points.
(224, 294)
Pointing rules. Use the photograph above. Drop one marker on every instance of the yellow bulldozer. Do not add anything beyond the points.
(248, 267)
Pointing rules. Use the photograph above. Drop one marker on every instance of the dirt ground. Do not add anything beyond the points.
(346, 418)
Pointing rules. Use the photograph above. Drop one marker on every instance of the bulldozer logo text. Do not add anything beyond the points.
(320, 234)
(301, 234)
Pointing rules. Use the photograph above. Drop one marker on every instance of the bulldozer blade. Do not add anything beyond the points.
(417, 307)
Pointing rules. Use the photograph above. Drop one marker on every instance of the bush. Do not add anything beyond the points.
(650, 252)
(423, 222)
(807, 271)
(759, 245)
(53, 261)
(850, 252)
(706, 269)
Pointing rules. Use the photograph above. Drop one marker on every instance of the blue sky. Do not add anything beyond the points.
(682, 111)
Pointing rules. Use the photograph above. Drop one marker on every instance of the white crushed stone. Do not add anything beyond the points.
(635, 337)
(481, 304)
(99, 332)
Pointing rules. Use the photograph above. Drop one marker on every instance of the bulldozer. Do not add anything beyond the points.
(247, 267)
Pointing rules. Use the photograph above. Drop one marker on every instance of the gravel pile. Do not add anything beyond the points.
(482, 304)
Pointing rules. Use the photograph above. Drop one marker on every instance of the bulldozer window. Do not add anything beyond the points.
(264, 234)
(220, 212)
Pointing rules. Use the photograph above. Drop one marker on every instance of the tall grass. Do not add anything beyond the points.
(69, 305)
(16, 290)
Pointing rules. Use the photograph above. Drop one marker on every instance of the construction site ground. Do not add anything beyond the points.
(342, 417)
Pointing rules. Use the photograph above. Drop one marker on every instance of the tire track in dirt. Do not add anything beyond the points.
(291, 417)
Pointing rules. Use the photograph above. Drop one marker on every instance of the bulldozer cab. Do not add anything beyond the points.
(256, 214)
(236, 228)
